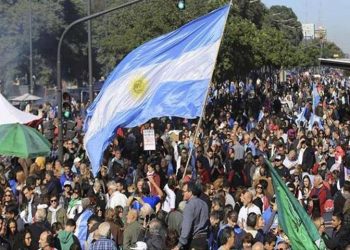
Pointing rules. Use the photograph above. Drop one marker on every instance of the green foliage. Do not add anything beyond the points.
(255, 36)
(285, 20)
(14, 36)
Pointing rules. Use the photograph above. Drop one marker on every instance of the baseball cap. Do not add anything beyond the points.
(77, 159)
(67, 183)
(329, 205)
(140, 245)
(278, 158)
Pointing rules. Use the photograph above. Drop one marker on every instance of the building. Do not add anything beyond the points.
(321, 33)
(308, 31)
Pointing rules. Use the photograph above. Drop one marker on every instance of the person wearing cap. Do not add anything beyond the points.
(66, 194)
(76, 165)
(280, 168)
(140, 245)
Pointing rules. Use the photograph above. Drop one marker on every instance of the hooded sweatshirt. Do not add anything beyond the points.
(66, 239)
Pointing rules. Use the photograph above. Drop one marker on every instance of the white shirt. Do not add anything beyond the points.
(117, 199)
(300, 156)
(243, 214)
(169, 202)
(229, 200)
(288, 163)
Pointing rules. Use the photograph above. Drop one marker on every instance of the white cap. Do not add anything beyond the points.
(42, 206)
(140, 245)
(67, 183)
(76, 160)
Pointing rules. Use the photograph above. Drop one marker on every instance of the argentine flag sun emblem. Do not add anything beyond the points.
(139, 87)
(166, 76)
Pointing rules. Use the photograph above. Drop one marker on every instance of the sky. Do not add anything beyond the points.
(331, 14)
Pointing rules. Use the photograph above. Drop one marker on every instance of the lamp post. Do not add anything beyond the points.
(31, 87)
(59, 82)
(91, 93)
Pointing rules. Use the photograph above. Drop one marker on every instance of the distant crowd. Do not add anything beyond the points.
(224, 199)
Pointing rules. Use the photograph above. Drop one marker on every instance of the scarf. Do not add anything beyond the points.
(53, 215)
(73, 202)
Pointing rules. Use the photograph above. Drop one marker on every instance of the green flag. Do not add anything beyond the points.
(292, 217)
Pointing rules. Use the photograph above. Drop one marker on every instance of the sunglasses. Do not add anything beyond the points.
(7, 195)
(52, 201)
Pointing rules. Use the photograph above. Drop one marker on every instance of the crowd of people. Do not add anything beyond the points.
(224, 199)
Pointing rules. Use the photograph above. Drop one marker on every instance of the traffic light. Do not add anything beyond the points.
(66, 106)
(181, 4)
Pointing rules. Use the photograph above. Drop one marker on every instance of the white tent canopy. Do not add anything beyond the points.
(25, 98)
(10, 114)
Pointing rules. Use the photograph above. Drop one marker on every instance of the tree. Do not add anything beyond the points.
(284, 19)
(14, 38)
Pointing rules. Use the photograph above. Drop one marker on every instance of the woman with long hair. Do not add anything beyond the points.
(12, 235)
(25, 241)
(306, 187)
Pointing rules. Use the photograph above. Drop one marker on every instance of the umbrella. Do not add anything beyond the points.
(26, 98)
(22, 141)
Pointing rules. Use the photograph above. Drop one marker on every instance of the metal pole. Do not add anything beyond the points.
(203, 107)
(197, 130)
(91, 93)
(59, 82)
(31, 86)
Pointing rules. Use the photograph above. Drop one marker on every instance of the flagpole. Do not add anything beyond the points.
(205, 102)
(197, 130)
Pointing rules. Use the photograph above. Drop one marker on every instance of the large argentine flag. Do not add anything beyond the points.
(167, 76)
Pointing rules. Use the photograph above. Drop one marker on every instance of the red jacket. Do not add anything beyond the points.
(205, 176)
(322, 194)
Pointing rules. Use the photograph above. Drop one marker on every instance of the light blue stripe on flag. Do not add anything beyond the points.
(167, 76)
(315, 97)
(82, 228)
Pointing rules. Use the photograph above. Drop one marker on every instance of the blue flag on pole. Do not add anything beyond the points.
(315, 97)
(167, 76)
(301, 117)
